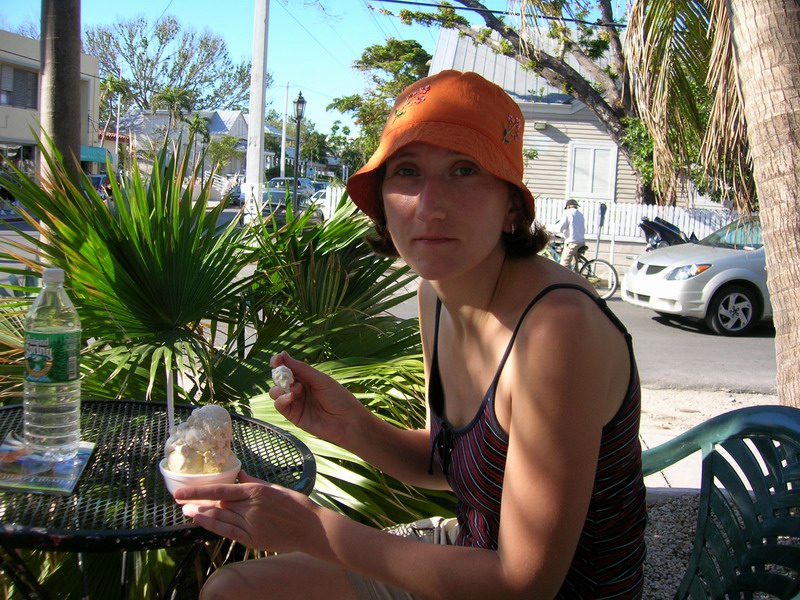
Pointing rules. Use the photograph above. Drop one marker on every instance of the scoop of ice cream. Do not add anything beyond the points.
(283, 377)
(202, 443)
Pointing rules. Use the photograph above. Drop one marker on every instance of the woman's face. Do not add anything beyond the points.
(445, 213)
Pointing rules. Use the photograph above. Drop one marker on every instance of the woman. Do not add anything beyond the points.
(533, 394)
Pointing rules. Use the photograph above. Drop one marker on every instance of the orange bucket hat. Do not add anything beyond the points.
(462, 112)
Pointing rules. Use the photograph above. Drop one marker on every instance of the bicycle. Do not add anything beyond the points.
(600, 273)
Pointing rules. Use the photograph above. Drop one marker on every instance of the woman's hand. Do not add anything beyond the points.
(255, 513)
(316, 402)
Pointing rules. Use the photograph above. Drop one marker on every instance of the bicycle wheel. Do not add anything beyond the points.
(602, 275)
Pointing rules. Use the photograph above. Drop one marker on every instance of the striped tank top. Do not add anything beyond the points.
(608, 559)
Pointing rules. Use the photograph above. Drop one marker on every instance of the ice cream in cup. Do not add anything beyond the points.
(198, 452)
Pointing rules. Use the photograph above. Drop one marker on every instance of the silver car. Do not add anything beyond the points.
(721, 280)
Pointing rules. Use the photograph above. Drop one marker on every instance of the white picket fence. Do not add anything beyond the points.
(622, 220)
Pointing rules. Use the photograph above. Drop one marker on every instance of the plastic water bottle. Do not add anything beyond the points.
(52, 394)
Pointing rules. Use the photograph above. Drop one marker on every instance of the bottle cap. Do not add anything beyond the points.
(53, 275)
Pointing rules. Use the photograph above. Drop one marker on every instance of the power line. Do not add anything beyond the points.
(312, 36)
(163, 12)
(503, 12)
(374, 19)
(39, 63)
(394, 26)
(427, 29)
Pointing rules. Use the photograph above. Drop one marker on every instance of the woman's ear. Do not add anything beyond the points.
(515, 209)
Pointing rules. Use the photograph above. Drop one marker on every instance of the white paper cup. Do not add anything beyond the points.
(175, 481)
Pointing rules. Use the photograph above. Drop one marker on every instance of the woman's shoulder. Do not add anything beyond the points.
(541, 279)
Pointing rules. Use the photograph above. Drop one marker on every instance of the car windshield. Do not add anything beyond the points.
(744, 234)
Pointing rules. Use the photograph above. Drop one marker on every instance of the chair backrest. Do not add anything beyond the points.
(747, 543)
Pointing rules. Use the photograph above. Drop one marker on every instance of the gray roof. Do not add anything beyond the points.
(454, 51)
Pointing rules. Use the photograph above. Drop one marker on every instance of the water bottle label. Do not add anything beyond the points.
(52, 357)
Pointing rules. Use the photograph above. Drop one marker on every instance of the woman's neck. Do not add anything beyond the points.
(474, 295)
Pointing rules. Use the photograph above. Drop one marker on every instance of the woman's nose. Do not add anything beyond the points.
(431, 202)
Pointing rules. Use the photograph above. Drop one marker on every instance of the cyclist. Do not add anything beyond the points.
(573, 228)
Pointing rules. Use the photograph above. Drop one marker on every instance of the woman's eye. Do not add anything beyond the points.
(405, 171)
(465, 170)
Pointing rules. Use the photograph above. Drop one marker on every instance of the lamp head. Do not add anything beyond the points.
(299, 106)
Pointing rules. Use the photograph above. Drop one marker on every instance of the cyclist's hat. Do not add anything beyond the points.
(571, 204)
(462, 112)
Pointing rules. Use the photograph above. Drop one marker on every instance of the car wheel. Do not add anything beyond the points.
(732, 311)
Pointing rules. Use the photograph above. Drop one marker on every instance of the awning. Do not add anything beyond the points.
(94, 154)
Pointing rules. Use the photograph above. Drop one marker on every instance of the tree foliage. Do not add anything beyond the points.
(152, 57)
(390, 68)
(222, 149)
(176, 101)
(680, 52)
(557, 40)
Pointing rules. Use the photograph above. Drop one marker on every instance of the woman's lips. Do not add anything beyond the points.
(434, 239)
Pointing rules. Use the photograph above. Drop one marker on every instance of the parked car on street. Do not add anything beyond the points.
(721, 280)
(274, 206)
(236, 195)
(304, 185)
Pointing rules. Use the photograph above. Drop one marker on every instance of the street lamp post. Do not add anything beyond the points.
(299, 110)
(203, 146)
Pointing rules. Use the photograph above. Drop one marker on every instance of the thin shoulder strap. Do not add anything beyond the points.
(556, 286)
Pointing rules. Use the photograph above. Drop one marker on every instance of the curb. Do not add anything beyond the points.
(659, 495)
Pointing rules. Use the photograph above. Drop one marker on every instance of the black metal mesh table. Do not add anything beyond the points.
(120, 501)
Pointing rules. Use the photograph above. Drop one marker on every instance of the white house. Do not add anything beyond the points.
(146, 130)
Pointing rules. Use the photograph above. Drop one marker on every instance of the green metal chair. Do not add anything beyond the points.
(747, 543)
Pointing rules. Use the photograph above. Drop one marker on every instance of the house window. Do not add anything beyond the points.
(592, 171)
(19, 87)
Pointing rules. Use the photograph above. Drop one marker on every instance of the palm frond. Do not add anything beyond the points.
(667, 53)
(725, 151)
(145, 270)
(674, 50)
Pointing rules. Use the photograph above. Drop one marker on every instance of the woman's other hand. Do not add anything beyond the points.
(316, 402)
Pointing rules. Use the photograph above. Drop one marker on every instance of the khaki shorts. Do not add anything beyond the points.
(435, 530)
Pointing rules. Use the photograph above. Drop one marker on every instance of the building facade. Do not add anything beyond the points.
(20, 65)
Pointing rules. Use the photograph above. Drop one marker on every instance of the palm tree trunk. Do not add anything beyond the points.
(766, 36)
(60, 100)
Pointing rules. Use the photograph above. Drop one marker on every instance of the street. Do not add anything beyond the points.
(685, 355)
(672, 353)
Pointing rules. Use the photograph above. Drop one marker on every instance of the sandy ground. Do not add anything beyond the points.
(667, 413)
(673, 411)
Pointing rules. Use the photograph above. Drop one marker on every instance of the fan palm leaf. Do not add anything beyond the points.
(144, 271)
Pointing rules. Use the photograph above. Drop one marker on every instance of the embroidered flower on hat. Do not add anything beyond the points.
(511, 128)
(415, 97)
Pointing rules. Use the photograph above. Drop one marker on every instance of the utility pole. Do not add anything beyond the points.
(116, 130)
(254, 178)
(283, 131)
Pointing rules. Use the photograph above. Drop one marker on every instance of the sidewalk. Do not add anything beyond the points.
(667, 413)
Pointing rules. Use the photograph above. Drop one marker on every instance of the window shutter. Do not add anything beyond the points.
(592, 171)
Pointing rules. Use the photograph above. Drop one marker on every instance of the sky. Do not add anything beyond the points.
(311, 51)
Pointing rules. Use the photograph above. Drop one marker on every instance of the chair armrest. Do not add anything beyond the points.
(774, 420)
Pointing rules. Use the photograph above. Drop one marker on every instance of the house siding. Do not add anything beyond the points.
(547, 175)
